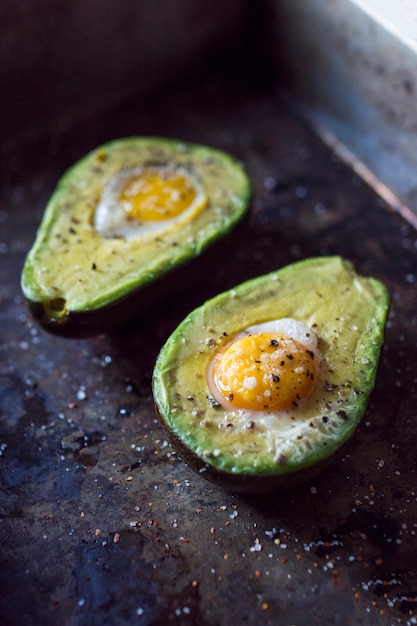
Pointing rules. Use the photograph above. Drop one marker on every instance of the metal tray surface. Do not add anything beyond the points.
(101, 522)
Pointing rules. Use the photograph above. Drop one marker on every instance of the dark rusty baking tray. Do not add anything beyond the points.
(101, 522)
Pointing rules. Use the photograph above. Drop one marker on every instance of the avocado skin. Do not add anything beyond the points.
(242, 483)
(138, 305)
(84, 315)
(174, 390)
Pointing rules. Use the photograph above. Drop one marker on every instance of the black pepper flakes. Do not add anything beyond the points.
(342, 414)
(212, 401)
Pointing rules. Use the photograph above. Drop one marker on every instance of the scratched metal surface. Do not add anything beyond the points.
(101, 522)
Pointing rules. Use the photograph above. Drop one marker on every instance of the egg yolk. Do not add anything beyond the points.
(157, 195)
(267, 371)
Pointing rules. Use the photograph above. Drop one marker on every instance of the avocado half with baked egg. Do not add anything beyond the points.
(260, 386)
(121, 218)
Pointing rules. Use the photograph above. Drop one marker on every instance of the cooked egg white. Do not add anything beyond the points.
(267, 369)
(147, 200)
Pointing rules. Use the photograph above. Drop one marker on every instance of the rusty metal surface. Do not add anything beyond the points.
(101, 523)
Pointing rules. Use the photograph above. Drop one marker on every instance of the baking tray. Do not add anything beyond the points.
(101, 522)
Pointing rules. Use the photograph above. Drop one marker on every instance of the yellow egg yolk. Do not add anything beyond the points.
(155, 195)
(266, 371)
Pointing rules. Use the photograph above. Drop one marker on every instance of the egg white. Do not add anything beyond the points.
(112, 220)
(289, 327)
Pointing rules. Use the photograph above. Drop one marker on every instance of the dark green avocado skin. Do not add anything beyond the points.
(138, 305)
(323, 290)
(242, 483)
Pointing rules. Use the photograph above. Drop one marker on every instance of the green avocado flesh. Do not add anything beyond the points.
(74, 271)
(263, 451)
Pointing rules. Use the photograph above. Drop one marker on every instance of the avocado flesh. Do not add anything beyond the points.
(347, 312)
(73, 271)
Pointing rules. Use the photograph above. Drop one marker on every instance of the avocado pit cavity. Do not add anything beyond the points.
(147, 200)
(265, 368)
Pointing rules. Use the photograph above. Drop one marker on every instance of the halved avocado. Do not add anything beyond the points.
(91, 253)
(263, 452)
